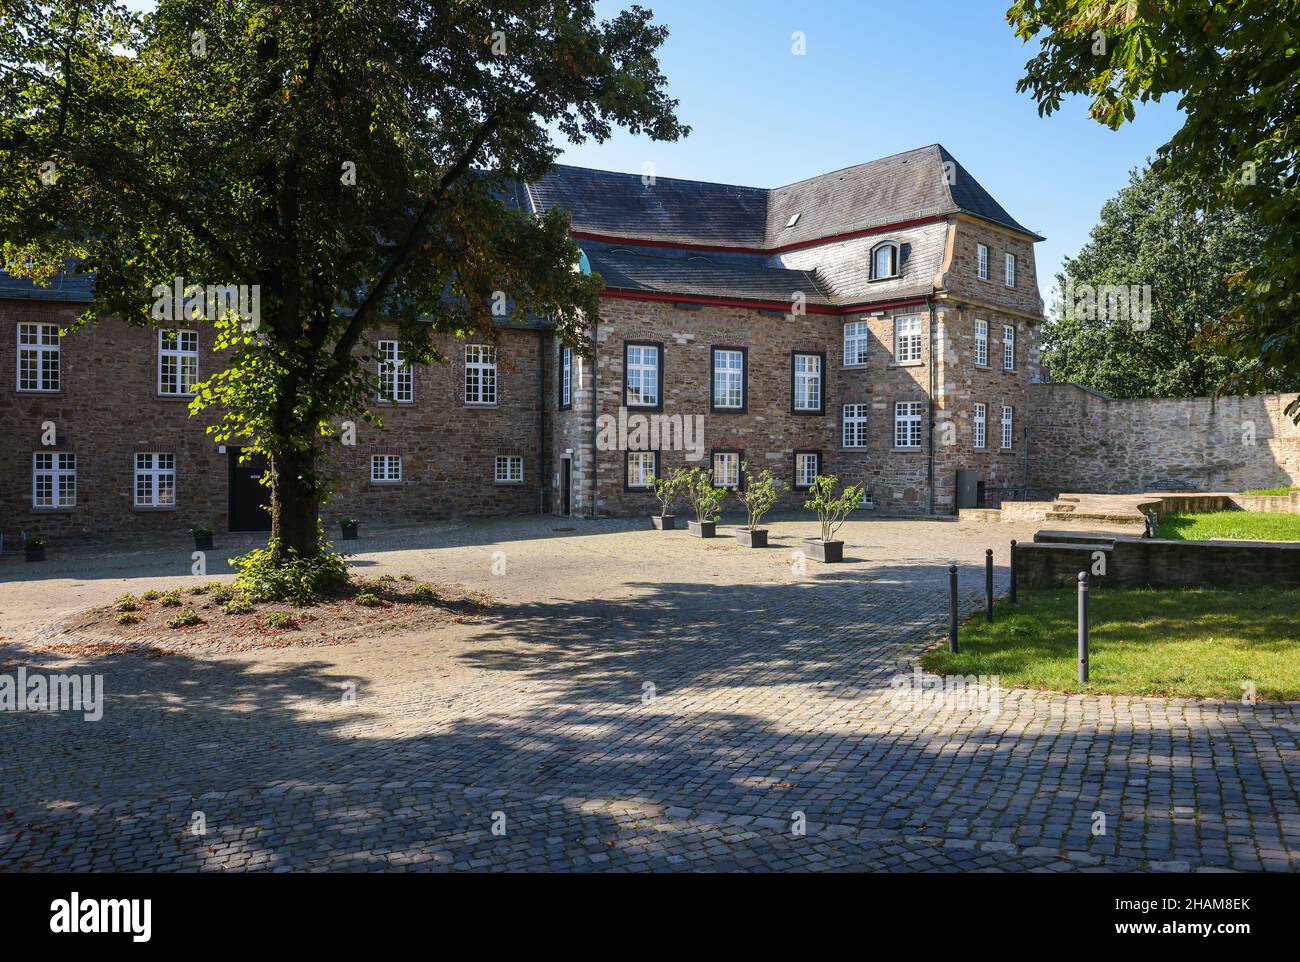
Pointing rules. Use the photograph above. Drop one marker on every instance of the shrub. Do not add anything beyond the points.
(238, 606)
(197, 590)
(280, 619)
(36, 540)
(186, 619)
(171, 599)
(222, 593)
(201, 532)
(386, 580)
(127, 618)
(424, 593)
(761, 492)
(302, 581)
(832, 512)
(704, 498)
(126, 603)
(368, 599)
(668, 490)
(151, 595)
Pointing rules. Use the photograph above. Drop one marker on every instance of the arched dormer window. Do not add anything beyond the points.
(884, 260)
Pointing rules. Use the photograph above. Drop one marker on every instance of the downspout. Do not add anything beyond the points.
(929, 468)
(543, 460)
(595, 348)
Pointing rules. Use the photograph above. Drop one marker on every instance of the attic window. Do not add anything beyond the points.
(792, 221)
(884, 260)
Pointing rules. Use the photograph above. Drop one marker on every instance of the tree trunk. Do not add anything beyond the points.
(295, 505)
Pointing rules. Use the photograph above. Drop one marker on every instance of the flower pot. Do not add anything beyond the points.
(349, 531)
(757, 538)
(203, 542)
(664, 522)
(703, 529)
(34, 552)
(827, 552)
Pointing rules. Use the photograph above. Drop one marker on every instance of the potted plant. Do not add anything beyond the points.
(667, 490)
(705, 500)
(349, 526)
(761, 492)
(202, 538)
(832, 512)
(34, 547)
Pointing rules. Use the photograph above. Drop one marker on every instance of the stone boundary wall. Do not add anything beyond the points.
(1081, 440)
(1160, 563)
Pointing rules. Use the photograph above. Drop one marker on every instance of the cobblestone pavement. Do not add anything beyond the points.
(634, 700)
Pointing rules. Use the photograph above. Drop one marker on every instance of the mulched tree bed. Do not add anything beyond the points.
(216, 616)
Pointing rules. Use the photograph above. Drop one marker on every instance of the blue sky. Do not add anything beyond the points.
(878, 78)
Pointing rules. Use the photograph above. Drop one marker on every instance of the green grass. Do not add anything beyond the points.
(1281, 492)
(1231, 525)
(1184, 642)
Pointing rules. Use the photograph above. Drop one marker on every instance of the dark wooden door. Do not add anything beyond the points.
(250, 500)
(568, 485)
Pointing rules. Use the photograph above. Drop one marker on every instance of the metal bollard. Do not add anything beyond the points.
(952, 608)
(1013, 571)
(988, 585)
(1083, 627)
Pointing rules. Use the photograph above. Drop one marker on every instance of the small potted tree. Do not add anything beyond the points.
(34, 547)
(705, 500)
(832, 512)
(202, 538)
(349, 527)
(761, 492)
(668, 490)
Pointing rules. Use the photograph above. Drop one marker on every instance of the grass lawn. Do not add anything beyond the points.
(1231, 525)
(1272, 492)
(1184, 642)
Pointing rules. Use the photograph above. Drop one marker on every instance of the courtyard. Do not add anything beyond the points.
(631, 700)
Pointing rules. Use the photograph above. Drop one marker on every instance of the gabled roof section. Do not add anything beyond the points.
(67, 285)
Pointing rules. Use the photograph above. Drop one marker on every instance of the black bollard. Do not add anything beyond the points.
(952, 608)
(988, 585)
(1083, 627)
(1013, 571)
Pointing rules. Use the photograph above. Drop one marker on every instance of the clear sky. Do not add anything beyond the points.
(880, 77)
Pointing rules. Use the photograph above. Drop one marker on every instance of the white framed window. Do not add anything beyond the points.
(480, 374)
(155, 480)
(982, 262)
(857, 336)
(54, 480)
(1011, 270)
(807, 465)
(641, 372)
(386, 468)
(907, 339)
(907, 424)
(566, 376)
(884, 261)
(510, 469)
(726, 469)
(641, 467)
(38, 357)
(1009, 348)
(728, 379)
(981, 425)
(178, 362)
(855, 425)
(395, 375)
(982, 343)
(807, 382)
(1007, 417)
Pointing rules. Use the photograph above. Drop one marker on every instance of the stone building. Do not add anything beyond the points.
(879, 323)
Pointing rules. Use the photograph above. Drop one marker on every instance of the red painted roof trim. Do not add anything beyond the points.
(782, 306)
(731, 249)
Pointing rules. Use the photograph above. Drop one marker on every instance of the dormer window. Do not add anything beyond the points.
(884, 261)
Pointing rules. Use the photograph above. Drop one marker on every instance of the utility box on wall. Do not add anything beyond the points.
(967, 488)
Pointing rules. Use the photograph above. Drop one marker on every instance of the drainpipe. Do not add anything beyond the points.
(929, 467)
(543, 459)
(595, 349)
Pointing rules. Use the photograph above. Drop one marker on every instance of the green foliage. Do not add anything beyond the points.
(171, 599)
(1230, 526)
(126, 603)
(36, 540)
(832, 511)
(353, 163)
(127, 618)
(280, 620)
(1162, 233)
(424, 593)
(186, 619)
(297, 579)
(705, 500)
(407, 577)
(368, 599)
(761, 492)
(222, 593)
(201, 532)
(152, 595)
(1232, 67)
(238, 606)
(1278, 492)
(669, 490)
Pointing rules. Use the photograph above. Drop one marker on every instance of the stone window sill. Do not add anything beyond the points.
(146, 508)
(908, 364)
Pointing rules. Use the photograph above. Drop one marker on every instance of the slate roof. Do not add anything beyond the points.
(67, 286)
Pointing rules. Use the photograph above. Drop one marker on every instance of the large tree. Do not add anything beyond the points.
(1159, 243)
(351, 160)
(1235, 68)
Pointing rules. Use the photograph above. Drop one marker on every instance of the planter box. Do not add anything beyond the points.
(349, 531)
(752, 539)
(203, 542)
(34, 552)
(827, 552)
(703, 529)
(665, 522)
